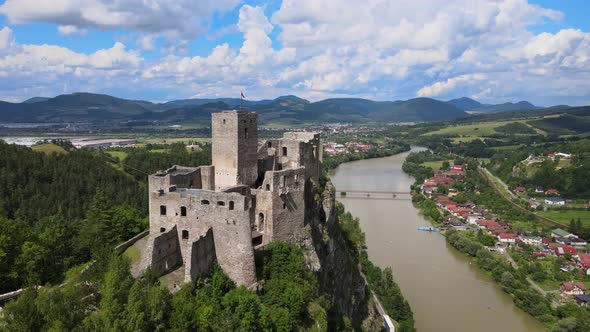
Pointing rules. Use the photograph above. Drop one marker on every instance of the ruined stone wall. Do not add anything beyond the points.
(280, 202)
(183, 177)
(164, 254)
(295, 149)
(234, 147)
(202, 257)
(194, 212)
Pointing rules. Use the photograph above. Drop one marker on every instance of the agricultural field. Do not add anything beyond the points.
(433, 164)
(565, 216)
(121, 155)
(477, 130)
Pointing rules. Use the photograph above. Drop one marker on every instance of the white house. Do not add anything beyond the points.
(554, 201)
(531, 240)
(507, 238)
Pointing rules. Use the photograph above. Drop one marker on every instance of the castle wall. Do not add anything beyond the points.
(295, 149)
(194, 213)
(281, 201)
(234, 146)
(165, 251)
(202, 257)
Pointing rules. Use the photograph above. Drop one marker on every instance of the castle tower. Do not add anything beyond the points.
(235, 143)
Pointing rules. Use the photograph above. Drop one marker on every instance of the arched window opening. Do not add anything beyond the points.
(204, 202)
(162, 229)
(220, 203)
(185, 234)
(261, 222)
(183, 211)
(284, 151)
(267, 187)
(231, 205)
(162, 210)
(269, 144)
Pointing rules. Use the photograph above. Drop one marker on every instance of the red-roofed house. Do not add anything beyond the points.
(507, 237)
(520, 190)
(560, 251)
(488, 223)
(572, 288)
(546, 240)
(540, 255)
(429, 184)
(584, 260)
(552, 191)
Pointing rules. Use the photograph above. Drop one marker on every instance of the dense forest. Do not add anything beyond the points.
(106, 298)
(58, 210)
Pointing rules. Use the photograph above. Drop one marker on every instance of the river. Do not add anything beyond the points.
(445, 290)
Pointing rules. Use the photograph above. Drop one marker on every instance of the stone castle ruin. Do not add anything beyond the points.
(253, 194)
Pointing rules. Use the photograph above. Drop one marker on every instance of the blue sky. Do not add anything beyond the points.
(492, 51)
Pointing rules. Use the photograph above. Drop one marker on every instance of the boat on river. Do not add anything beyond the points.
(429, 229)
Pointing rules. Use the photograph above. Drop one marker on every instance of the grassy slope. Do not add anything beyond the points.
(564, 217)
(49, 148)
(476, 130)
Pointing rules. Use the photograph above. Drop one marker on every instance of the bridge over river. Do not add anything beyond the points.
(373, 194)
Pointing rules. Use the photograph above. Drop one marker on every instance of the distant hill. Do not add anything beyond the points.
(505, 107)
(468, 104)
(464, 103)
(105, 109)
(35, 100)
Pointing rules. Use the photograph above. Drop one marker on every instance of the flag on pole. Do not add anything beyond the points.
(242, 95)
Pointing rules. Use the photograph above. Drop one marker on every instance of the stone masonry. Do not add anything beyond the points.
(253, 194)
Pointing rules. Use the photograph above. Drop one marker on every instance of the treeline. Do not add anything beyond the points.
(564, 318)
(106, 298)
(331, 162)
(57, 210)
(141, 162)
(380, 280)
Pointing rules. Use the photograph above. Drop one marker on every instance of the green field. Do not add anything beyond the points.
(118, 154)
(474, 131)
(133, 254)
(48, 148)
(564, 217)
(433, 164)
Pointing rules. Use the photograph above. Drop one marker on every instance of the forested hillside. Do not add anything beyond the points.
(58, 210)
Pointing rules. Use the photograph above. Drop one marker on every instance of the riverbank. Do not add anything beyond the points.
(437, 280)
(331, 162)
(460, 196)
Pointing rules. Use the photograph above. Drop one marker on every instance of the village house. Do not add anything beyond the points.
(539, 190)
(533, 204)
(558, 232)
(507, 238)
(474, 218)
(554, 201)
(552, 192)
(520, 190)
(584, 260)
(572, 288)
(531, 240)
(571, 241)
(582, 299)
(560, 251)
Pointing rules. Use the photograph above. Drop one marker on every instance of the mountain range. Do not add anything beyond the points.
(93, 108)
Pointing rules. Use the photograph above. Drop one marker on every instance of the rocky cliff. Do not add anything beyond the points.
(330, 256)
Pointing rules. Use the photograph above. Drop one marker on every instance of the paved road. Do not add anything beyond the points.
(533, 284)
